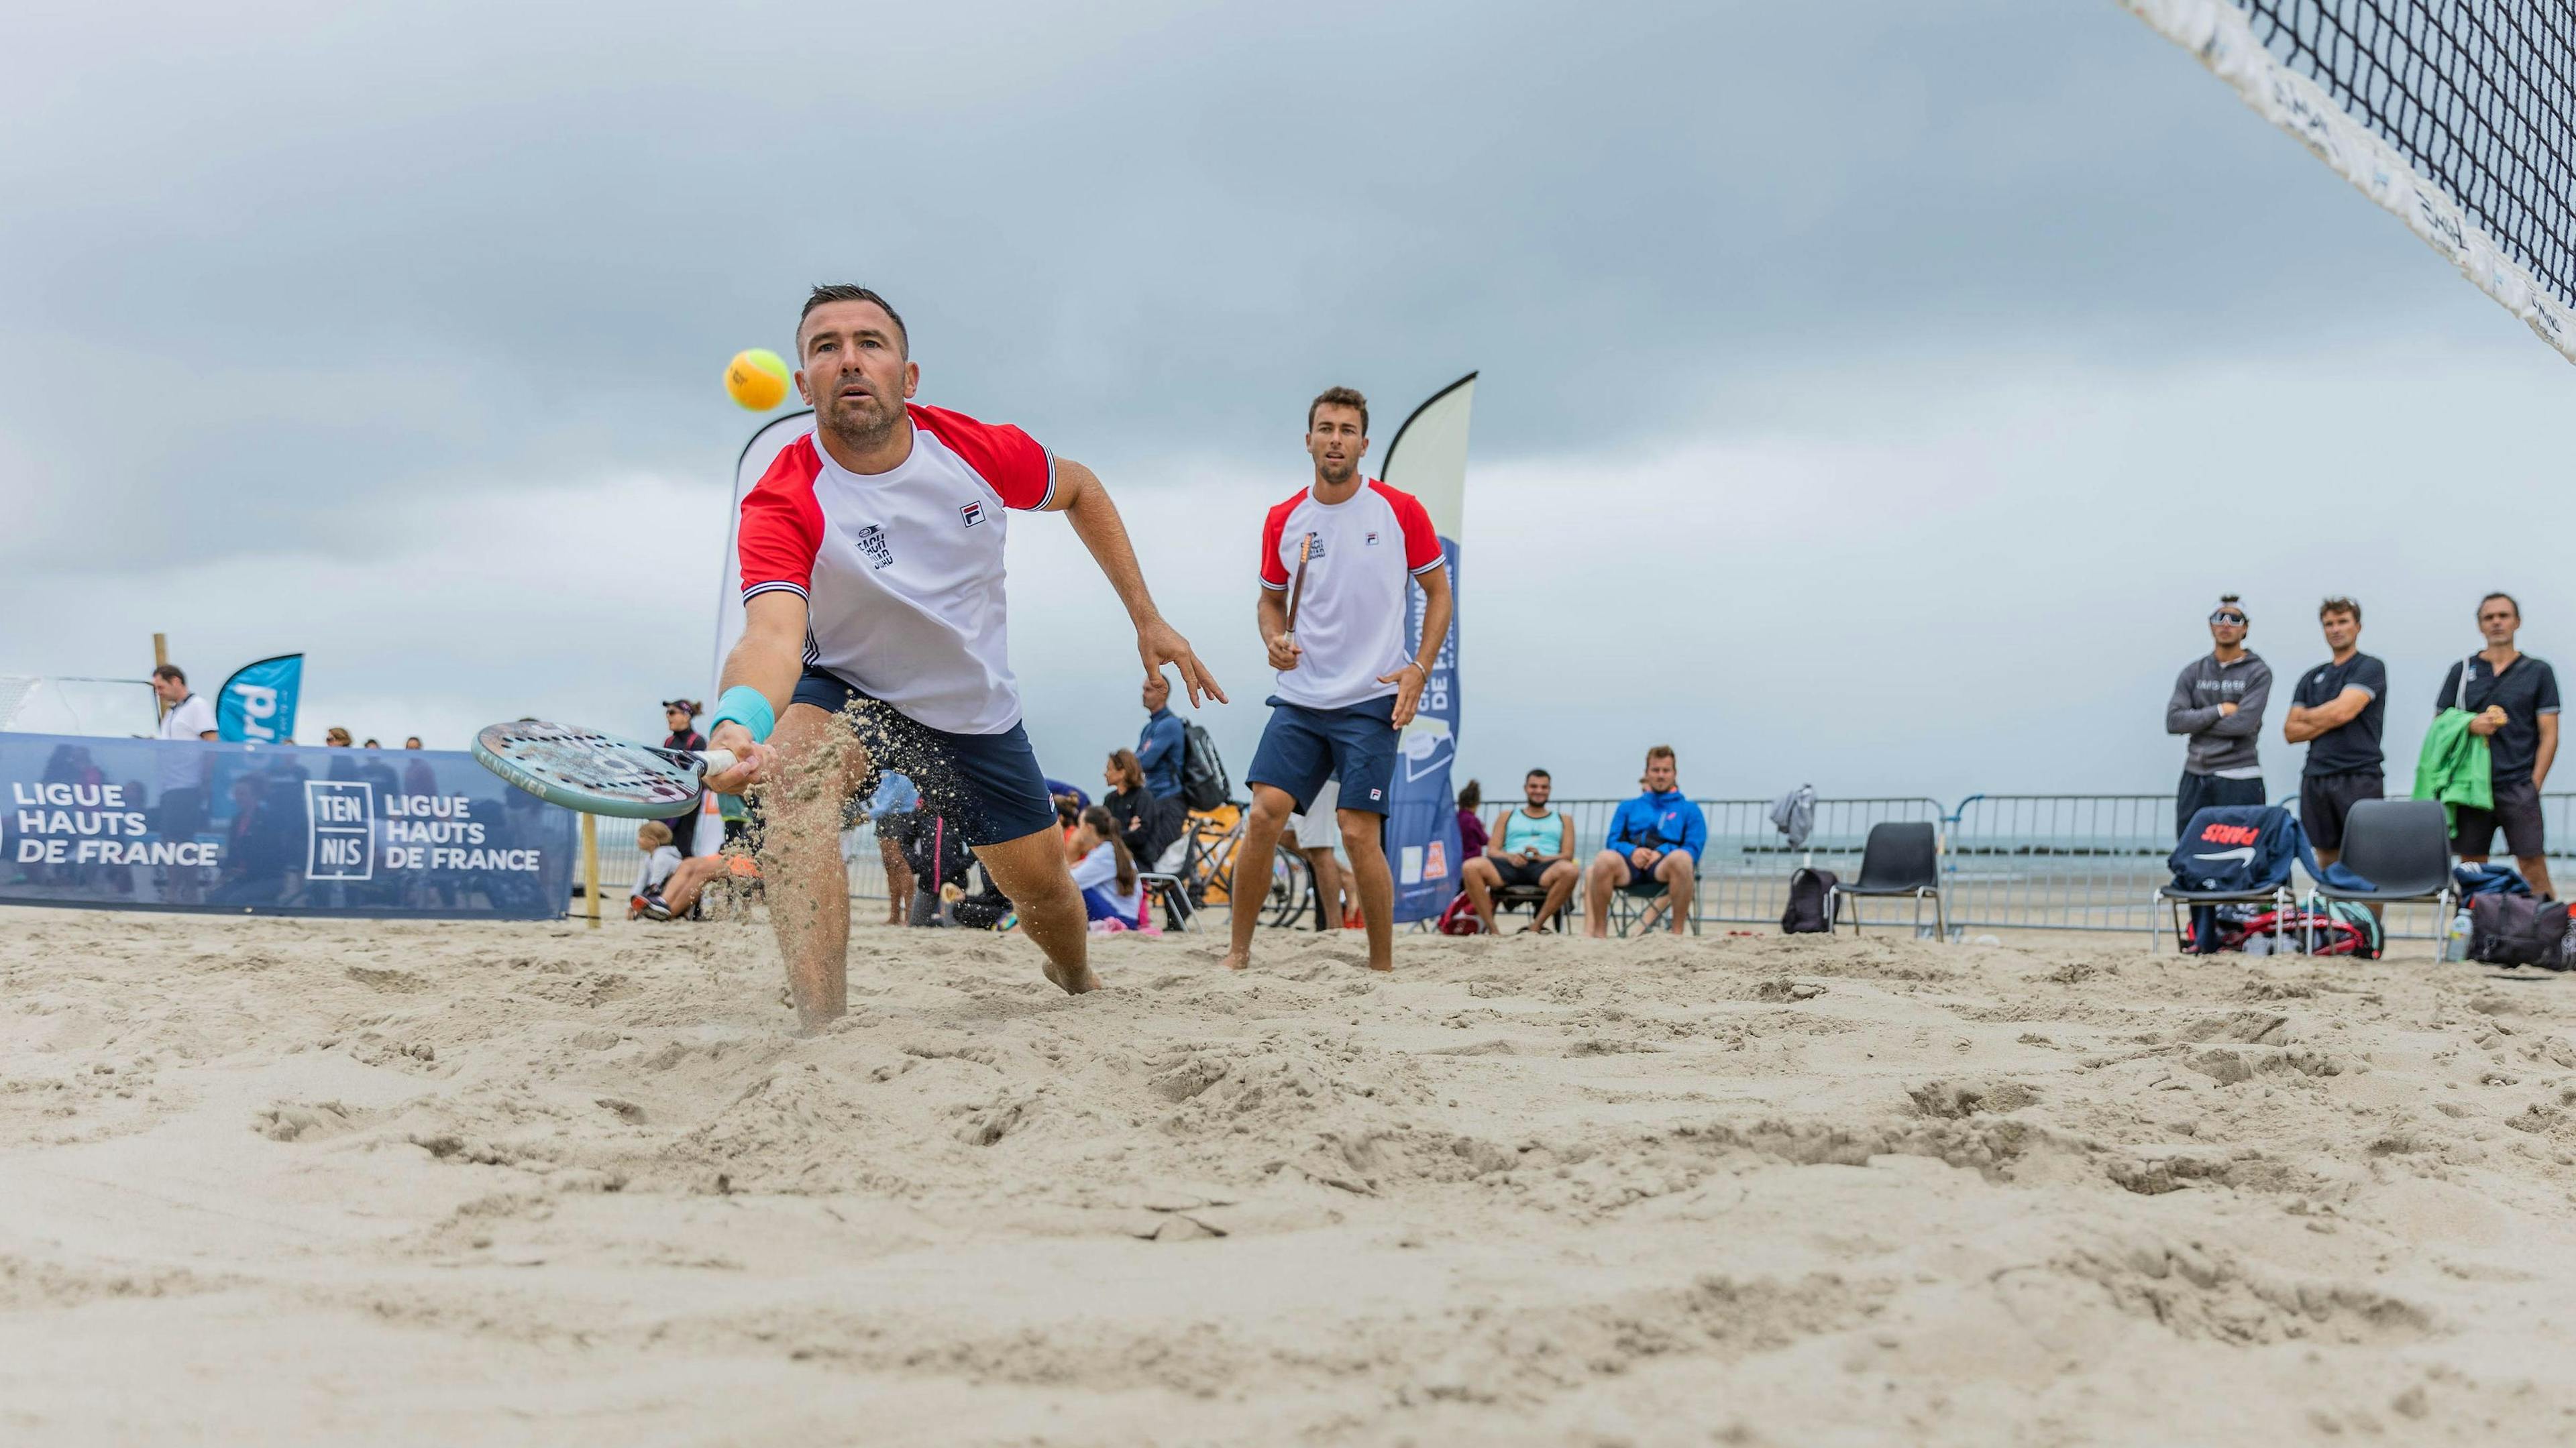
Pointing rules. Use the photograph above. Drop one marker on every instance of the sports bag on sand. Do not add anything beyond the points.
(1811, 902)
(1204, 785)
(2515, 930)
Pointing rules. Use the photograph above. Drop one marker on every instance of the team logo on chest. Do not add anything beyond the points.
(872, 542)
(973, 513)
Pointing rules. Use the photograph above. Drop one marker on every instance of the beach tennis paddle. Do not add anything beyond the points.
(597, 773)
(1297, 585)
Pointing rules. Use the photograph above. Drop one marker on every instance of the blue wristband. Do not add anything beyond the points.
(748, 707)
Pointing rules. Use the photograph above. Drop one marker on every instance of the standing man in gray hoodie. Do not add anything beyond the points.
(2218, 701)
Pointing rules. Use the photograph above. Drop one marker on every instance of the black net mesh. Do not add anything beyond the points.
(2480, 97)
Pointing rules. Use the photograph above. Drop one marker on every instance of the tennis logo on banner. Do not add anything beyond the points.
(340, 844)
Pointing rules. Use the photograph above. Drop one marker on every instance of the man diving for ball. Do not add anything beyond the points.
(875, 639)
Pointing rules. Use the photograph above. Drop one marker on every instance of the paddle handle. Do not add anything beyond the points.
(717, 760)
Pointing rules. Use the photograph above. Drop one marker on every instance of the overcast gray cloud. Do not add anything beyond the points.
(392, 334)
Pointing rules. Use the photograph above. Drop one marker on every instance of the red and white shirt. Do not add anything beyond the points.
(901, 571)
(1363, 552)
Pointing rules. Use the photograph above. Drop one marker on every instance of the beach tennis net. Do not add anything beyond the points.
(2458, 117)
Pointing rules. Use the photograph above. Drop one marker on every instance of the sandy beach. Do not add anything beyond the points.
(268, 1181)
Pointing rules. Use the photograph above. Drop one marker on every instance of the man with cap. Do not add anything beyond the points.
(2218, 704)
(681, 715)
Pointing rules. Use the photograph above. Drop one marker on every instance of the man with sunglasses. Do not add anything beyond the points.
(2218, 702)
(2515, 698)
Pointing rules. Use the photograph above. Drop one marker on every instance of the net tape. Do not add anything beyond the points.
(2458, 117)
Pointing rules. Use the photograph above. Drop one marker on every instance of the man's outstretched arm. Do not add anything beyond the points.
(769, 657)
(1085, 502)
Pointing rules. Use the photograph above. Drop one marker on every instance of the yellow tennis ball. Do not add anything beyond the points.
(757, 379)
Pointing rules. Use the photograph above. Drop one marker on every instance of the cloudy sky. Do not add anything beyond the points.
(1874, 394)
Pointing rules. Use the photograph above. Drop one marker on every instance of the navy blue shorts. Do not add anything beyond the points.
(989, 784)
(1302, 747)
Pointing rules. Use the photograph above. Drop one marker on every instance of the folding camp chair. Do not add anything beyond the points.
(1901, 858)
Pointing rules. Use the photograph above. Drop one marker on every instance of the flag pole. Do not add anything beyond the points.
(160, 657)
(590, 868)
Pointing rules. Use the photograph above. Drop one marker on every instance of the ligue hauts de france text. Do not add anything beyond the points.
(98, 824)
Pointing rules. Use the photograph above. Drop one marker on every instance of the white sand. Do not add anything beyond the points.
(268, 1182)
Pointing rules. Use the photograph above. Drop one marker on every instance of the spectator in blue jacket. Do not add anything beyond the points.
(1159, 749)
(1656, 836)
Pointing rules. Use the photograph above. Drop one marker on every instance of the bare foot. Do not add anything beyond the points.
(1083, 978)
(1387, 969)
(1238, 960)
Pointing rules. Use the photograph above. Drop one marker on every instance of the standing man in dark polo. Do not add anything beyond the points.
(2515, 697)
(2218, 701)
(2336, 712)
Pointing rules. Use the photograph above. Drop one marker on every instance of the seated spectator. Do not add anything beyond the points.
(1531, 847)
(1105, 872)
(412, 743)
(335, 737)
(1472, 838)
(1147, 822)
(1656, 838)
(371, 744)
(669, 883)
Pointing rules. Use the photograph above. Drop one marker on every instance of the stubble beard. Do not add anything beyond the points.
(852, 428)
(1336, 474)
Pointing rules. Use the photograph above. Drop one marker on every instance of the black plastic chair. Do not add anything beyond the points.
(2403, 848)
(1900, 858)
(1511, 898)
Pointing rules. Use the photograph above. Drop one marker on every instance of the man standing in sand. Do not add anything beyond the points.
(2218, 702)
(1346, 547)
(875, 638)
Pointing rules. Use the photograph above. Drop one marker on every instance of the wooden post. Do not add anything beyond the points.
(160, 656)
(590, 868)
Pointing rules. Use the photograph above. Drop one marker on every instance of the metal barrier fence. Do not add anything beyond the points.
(2008, 861)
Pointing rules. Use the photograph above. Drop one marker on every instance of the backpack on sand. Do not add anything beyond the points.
(2515, 930)
(1204, 785)
(1811, 894)
(1461, 917)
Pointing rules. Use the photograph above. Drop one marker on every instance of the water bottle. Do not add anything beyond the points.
(2455, 941)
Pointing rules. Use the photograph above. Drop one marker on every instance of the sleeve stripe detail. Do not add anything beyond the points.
(1434, 563)
(1049, 500)
(1274, 587)
(774, 587)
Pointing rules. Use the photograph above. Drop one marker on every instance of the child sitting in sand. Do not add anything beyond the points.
(669, 884)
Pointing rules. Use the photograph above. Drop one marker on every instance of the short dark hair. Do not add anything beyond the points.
(1338, 397)
(2507, 597)
(829, 292)
(172, 672)
(1538, 774)
(1661, 751)
(2339, 604)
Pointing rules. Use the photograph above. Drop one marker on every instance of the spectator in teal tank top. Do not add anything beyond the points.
(1531, 846)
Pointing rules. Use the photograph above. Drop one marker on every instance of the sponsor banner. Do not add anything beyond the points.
(257, 704)
(264, 830)
(1422, 816)
(1429, 460)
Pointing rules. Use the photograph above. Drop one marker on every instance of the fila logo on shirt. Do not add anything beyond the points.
(973, 513)
(872, 542)
(1372, 538)
(1376, 794)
